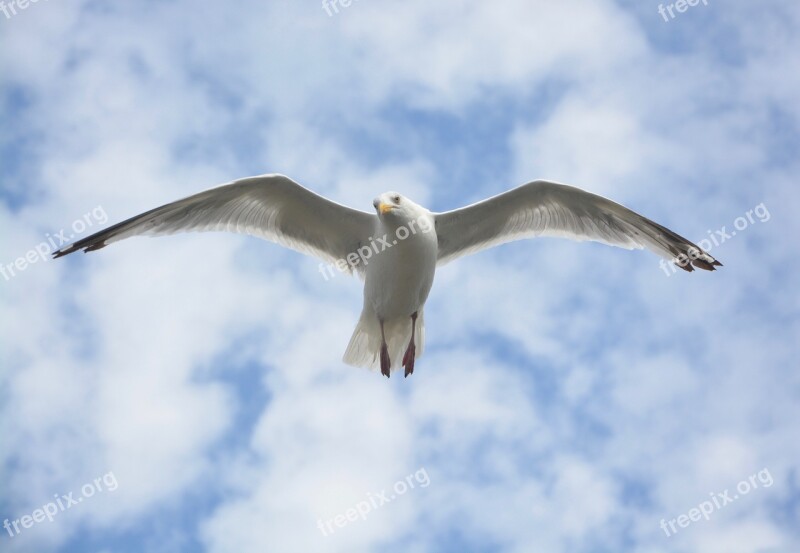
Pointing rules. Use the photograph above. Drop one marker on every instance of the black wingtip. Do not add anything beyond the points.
(78, 246)
(706, 265)
(94, 247)
(692, 257)
(703, 264)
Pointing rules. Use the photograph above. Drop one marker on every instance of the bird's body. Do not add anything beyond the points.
(406, 268)
(397, 282)
(396, 251)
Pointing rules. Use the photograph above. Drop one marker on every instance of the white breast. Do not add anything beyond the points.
(400, 275)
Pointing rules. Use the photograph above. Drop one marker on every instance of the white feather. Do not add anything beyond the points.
(543, 208)
(398, 275)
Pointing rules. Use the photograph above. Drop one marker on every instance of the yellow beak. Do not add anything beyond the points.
(385, 208)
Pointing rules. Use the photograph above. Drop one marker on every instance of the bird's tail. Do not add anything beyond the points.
(365, 345)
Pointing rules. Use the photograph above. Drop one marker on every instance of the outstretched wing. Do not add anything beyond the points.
(543, 208)
(272, 207)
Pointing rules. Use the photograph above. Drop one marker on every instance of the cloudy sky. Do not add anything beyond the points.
(186, 393)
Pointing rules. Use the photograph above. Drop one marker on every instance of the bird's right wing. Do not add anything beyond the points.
(272, 207)
(543, 208)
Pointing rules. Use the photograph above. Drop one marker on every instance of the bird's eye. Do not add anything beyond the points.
(396, 199)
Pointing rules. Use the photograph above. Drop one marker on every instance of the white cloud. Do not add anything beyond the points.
(555, 375)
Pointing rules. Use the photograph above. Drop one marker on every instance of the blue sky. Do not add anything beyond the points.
(571, 396)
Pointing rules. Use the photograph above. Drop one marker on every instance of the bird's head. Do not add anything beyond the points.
(394, 206)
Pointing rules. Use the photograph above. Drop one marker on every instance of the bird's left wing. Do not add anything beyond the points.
(543, 208)
(272, 207)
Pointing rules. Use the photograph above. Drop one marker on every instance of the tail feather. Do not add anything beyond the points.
(365, 344)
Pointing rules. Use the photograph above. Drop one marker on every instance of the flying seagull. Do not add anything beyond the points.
(397, 249)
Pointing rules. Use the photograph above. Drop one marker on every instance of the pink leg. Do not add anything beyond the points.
(411, 351)
(386, 363)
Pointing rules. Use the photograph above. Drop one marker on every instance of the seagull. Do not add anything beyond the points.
(396, 250)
